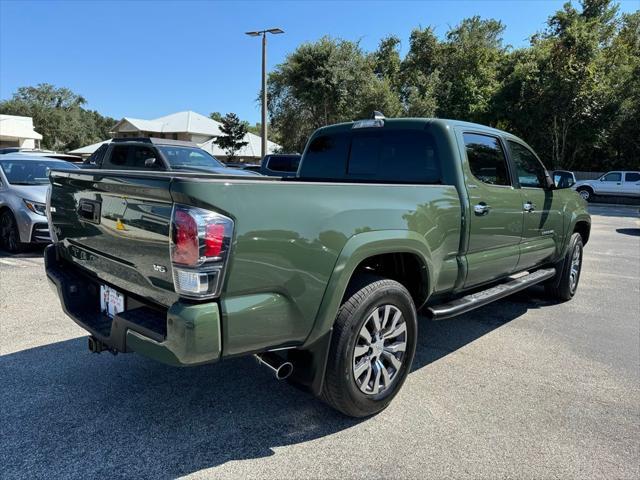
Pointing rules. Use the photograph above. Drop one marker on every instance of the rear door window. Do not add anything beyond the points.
(486, 159)
(632, 177)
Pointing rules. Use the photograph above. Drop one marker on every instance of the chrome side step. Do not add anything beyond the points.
(475, 300)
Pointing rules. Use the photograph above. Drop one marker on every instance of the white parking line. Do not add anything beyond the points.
(8, 262)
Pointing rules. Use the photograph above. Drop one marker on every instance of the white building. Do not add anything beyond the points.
(189, 126)
(18, 131)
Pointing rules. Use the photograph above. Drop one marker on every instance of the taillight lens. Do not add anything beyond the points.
(200, 242)
(186, 250)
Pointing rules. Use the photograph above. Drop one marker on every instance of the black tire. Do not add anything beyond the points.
(586, 193)
(341, 389)
(564, 285)
(9, 234)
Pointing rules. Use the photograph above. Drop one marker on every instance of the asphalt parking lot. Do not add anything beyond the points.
(523, 388)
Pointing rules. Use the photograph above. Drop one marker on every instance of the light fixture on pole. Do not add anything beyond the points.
(257, 33)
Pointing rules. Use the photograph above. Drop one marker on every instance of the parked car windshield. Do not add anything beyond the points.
(186, 157)
(31, 172)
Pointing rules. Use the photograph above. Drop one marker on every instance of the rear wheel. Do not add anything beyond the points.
(564, 285)
(372, 348)
(9, 235)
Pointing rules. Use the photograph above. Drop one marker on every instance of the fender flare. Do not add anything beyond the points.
(357, 249)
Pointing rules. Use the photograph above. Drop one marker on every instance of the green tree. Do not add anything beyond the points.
(233, 139)
(58, 114)
(217, 116)
(565, 92)
(420, 74)
(468, 70)
(324, 82)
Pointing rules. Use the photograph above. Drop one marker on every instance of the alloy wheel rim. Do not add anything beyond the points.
(380, 349)
(584, 194)
(574, 274)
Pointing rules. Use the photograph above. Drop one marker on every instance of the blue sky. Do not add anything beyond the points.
(150, 58)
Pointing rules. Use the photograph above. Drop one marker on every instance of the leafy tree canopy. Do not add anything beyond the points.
(573, 93)
(59, 115)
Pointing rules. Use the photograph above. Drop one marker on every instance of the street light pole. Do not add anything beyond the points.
(263, 151)
(263, 33)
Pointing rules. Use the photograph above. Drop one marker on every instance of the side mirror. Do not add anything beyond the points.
(150, 162)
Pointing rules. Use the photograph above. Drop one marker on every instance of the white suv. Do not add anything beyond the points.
(617, 183)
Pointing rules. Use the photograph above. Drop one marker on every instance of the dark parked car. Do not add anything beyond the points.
(157, 154)
(280, 165)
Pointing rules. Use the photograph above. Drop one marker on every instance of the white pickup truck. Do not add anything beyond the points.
(618, 183)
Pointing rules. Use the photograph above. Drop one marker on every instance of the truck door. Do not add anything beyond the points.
(543, 221)
(496, 216)
(631, 185)
(609, 184)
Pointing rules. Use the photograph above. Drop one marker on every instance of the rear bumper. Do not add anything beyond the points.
(184, 334)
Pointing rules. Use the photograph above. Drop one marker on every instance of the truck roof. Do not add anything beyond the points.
(417, 122)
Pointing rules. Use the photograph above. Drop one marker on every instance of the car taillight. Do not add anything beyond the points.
(200, 242)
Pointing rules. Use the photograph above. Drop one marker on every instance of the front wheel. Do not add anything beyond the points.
(564, 285)
(372, 348)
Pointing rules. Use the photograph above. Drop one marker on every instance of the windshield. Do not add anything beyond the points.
(31, 172)
(187, 157)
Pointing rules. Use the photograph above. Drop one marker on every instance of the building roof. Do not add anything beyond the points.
(184, 122)
(89, 149)
(180, 122)
(14, 126)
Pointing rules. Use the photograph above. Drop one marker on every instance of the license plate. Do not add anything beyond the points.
(111, 301)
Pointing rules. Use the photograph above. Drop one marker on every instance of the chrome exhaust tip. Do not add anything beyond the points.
(279, 367)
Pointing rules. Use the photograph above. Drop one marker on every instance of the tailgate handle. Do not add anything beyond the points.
(89, 210)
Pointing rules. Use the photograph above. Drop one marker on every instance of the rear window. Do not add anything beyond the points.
(394, 156)
(632, 177)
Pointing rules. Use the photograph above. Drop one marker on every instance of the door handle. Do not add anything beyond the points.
(481, 209)
(529, 207)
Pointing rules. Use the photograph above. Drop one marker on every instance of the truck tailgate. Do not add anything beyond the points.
(116, 227)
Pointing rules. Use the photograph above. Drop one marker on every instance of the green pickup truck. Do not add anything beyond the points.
(319, 275)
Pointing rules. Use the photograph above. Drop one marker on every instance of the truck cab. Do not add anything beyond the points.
(616, 183)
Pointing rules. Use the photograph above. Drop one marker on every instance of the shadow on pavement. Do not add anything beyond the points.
(634, 232)
(30, 251)
(69, 413)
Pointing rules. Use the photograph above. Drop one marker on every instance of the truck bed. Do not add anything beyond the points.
(287, 239)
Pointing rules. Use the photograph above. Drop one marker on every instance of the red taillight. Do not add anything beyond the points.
(213, 239)
(186, 248)
(200, 241)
